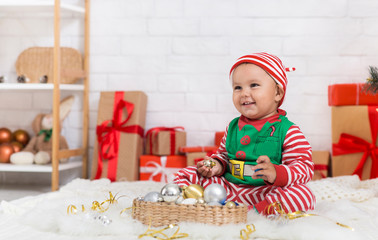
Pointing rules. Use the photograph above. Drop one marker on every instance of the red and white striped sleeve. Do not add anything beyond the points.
(297, 165)
(221, 155)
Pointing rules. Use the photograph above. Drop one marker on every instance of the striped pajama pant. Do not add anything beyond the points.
(292, 198)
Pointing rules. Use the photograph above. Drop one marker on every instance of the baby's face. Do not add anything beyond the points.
(255, 94)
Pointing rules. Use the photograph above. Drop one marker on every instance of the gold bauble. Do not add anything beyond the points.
(6, 150)
(5, 135)
(193, 191)
(21, 136)
(208, 163)
(230, 204)
(17, 146)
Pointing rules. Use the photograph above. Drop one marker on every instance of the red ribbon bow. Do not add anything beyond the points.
(108, 135)
(351, 144)
(152, 133)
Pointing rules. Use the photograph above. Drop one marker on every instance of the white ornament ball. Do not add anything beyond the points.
(153, 197)
(189, 201)
(215, 193)
(214, 204)
(170, 192)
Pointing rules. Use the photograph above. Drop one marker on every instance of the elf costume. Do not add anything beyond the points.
(246, 139)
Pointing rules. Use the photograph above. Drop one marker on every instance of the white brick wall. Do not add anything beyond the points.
(179, 52)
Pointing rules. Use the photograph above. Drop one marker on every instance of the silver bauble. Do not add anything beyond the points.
(170, 192)
(153, 197)
(189, 201)
(215, 193)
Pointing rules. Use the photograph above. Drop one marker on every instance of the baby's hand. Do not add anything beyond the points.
(264, 170)
(208, 171)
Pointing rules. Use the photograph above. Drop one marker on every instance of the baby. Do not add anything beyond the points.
(263, 158)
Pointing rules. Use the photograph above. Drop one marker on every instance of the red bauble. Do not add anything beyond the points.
(5, 135)
(17, 146)
(21, 136)
(6, 150)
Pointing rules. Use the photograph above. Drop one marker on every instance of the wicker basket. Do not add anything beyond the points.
(163, 213)
(36, 62)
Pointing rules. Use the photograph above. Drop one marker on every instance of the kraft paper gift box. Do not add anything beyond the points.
(321, 161)
(350, 94)
(120, 128)
(160, 168)
(197, 153)
(164, 141)
(354, 138)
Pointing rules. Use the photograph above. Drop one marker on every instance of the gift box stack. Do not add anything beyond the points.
(354, 130)
(120, 128)
(198, 153)
(162, 158)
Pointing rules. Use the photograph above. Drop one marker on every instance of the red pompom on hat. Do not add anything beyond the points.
(271, 64)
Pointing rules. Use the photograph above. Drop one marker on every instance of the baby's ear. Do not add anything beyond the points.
(279, 93)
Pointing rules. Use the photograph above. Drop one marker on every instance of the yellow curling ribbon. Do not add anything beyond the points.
(299, 214)
(244, 233)
(159, 234)
(96, 206)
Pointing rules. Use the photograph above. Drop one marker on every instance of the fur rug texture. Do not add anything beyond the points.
(346, 200)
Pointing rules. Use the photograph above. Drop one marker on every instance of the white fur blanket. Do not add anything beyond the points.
(346, 200)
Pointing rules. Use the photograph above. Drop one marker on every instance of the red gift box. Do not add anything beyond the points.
(218, 138)
(350, 94)
(160, 168)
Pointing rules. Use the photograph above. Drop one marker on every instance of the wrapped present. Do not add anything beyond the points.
(218, 138)
(321, 161)
(165, 141)
(120, 127)
(160, 168)
(350, 94)
(354, 137)
(187, 149)
(193, 157)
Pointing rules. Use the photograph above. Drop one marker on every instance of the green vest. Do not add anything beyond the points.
(246, 145)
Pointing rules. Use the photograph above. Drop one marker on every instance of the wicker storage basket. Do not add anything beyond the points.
(36, 62)
(163, 213)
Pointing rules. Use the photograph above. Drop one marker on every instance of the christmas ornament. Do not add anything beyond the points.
(22, 79)
(201, 200)
(230, 204)
(214, 204)
(5, 135)
(215, 193)
(6, 150)
(170, 192)
(153, 197)
(21, 136)
(43, 79)
(209, 163)
(179, 200)
(372, 81)
(2, 79)
(193, 191)
(17, 146)
(189, 201)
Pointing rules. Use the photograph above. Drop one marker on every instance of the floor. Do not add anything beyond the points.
(10, 192)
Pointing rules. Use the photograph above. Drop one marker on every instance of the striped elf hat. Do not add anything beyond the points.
(271, 64)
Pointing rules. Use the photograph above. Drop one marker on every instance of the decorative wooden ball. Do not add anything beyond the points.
(21, 136)
(17, 146)
(6, 150)
(5, 135)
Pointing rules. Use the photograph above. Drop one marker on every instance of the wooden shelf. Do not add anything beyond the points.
(8, 167)
(40, 86)
(12, 6)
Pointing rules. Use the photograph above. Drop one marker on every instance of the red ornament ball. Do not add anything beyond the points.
(6, 150)
(5, 135)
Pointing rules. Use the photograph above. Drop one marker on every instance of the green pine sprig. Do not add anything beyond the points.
(371, 85)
